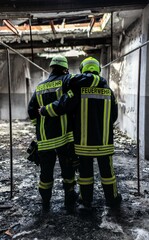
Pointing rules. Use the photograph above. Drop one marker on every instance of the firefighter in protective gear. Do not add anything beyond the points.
(95, 111)
(54, 135)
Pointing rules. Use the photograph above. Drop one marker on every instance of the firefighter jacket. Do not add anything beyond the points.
(94, 111)
(53, 132)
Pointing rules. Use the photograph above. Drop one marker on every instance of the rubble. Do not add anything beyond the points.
(22, 218)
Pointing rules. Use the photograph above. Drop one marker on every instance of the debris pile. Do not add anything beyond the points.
(21, 217)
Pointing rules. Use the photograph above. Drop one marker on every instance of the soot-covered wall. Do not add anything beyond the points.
(18, 78)
(124, 79)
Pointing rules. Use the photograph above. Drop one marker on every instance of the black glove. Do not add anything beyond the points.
(33, 153)
(43, 111)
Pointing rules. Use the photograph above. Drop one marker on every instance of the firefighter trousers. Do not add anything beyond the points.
(47, 163)
(107, 175)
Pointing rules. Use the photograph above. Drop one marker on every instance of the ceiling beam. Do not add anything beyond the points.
(67, 42)
(91, 25)
(11, 27)
(53, 28)
(25, 6)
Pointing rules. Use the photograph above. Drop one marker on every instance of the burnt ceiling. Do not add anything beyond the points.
(71, 5)
(44, 25)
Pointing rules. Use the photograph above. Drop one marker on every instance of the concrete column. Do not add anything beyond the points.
(104, 59)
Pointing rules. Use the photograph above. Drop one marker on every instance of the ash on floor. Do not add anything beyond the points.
(21, 217)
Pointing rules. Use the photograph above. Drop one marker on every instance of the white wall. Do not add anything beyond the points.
(124, 79)
(18, 87)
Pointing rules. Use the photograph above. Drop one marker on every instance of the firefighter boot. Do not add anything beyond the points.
(85, 207)
(113, 198)
(70, 197)
(46, 196)
(85, 199)
(115, 202)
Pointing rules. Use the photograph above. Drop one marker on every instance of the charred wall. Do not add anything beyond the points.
(124, 78)
(19, 75)
(124, 81)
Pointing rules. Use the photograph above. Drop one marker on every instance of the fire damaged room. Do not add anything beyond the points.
(74, 113)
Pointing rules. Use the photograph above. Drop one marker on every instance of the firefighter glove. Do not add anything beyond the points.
(33, 153)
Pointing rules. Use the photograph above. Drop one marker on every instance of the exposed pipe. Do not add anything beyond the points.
(111, 36)
(124, 55)
(138, 128)
(27, 59)
(11, 27)
(10, 124)
(91, 25)
(30, 28)
(53, 28)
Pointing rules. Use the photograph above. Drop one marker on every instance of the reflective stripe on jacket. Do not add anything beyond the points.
(94, 110)
(94, 137)
(51, 132)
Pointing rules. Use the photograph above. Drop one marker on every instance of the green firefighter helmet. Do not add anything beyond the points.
(59, 61)
(90, 64)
